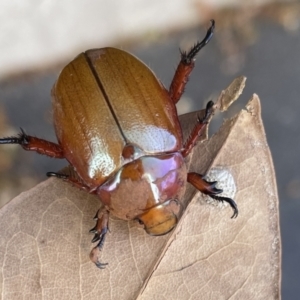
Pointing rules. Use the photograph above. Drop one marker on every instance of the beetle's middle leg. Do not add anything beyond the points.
(198, 130)
(186, 66)
(31, 143)
(102, 218)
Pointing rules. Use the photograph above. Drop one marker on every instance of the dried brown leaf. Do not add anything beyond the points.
(211, 256)
(231, 93)
(45, 244)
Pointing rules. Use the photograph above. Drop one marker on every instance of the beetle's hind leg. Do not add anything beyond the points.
(209, 188)
(186, 66)
(100, 231)
(31, 143)
(73, 179)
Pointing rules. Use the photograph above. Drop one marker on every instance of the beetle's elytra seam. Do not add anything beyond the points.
(98, 80)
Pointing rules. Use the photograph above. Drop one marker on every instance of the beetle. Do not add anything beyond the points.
(117, 125)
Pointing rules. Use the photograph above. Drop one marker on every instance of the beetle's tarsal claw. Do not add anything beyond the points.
(99, 236)
(102, 238)
(96, 216)
(94, 229)
(96, 237)
(230, 201)
(235, 210)
(217, 191)
(235, 214)
(94, 256)
(100, 265)
(213, 188)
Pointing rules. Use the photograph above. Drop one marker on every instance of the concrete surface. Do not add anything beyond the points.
(39, 33)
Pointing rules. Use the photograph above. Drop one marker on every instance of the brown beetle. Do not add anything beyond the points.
(118, 127)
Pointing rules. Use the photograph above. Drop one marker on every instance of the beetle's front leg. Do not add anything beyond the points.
(100, 231)
(31, 143)
(209, 188)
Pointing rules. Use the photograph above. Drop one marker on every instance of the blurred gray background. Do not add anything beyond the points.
(261, 42)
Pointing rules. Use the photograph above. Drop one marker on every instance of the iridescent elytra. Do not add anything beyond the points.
(117, 126)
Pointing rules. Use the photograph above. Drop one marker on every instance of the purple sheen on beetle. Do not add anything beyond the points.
(143, 184)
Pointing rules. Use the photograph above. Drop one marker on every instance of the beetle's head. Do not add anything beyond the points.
(161, 219)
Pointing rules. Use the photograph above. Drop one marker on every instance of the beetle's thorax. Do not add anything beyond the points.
(149, 188)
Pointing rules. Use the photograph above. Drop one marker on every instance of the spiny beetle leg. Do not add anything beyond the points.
(198, 129)
(205, 187)
(31, 143)
(209, 188)
(186, 66)
(101, 227)
(70, 179)
(100, 231)
(57, 175)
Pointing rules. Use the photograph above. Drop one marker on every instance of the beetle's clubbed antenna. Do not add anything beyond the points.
(186, 66)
